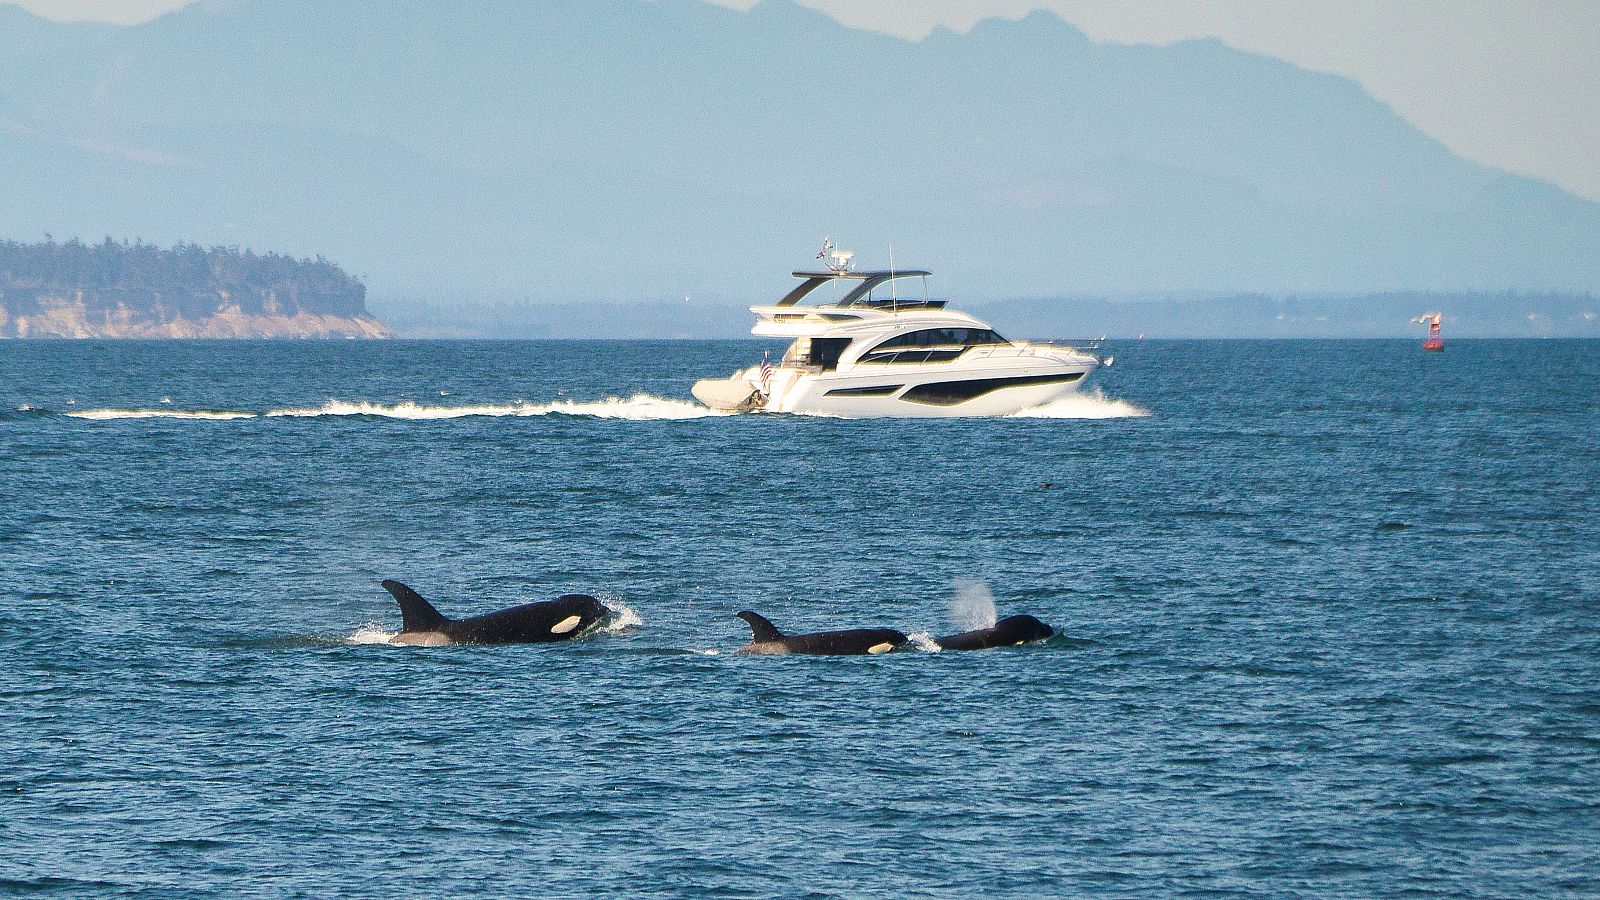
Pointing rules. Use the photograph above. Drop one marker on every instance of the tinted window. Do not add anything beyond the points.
(952, 392)
(943, 337)
(825, 352)
(912, 355)
(880, 390)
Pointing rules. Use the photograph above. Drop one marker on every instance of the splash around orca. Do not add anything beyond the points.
(1011, 630)
(560, 619)
(766, 638)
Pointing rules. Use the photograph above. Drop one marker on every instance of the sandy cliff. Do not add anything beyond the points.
(115, 289)
(84, 314)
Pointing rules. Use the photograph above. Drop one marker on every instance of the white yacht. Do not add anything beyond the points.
(873, 352)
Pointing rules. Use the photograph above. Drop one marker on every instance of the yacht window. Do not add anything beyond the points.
(930, 345)
(820, 352)
(825, 352)
(950, 393)
(942, 354)
(943, 337)
(878, 390)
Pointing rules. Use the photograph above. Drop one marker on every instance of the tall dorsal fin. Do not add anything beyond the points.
(417, 613)
(760, 629)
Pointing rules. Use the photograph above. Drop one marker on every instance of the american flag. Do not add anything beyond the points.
(766, 371)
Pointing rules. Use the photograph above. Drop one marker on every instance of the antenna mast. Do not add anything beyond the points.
(894, 293)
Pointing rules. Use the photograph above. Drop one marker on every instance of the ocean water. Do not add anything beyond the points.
(1328, 614)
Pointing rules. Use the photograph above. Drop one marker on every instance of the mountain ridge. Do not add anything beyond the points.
(620, 149)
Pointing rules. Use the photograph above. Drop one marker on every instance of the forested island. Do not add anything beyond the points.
(117, 289)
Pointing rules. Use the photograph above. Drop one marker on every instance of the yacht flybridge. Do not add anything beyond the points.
(873, 352)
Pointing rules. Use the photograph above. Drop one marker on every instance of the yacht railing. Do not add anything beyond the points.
(1027, 348)
(1074, 344)
(965, 351)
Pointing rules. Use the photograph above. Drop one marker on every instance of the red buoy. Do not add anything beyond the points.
(1434, 341)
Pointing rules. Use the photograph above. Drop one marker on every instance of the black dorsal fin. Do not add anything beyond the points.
(760, 629)
(417, 613)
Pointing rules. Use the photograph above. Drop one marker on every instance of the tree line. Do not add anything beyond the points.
(137, 266)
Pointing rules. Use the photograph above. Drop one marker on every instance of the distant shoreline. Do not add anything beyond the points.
(120, 290)
(1253, 315)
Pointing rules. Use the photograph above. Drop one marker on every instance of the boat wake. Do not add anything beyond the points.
(206, 414)
(1091, 404)
(639, 407)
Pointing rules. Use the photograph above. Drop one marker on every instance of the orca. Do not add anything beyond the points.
(1004, 633)
(560, 619)
(766, 638)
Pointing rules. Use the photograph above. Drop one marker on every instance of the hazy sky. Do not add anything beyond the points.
(1512, 84)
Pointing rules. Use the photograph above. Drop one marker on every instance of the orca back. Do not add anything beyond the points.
(560, 619)
(850, 642)
(1019, 629)
(766, 638)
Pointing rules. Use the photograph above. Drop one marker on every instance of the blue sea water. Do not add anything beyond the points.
(1328, 613)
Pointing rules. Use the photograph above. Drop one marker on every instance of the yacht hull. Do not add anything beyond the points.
(922, 393)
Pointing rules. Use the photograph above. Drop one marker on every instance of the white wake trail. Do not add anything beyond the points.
(108, 414)
(639, 407)
(1091, 404)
